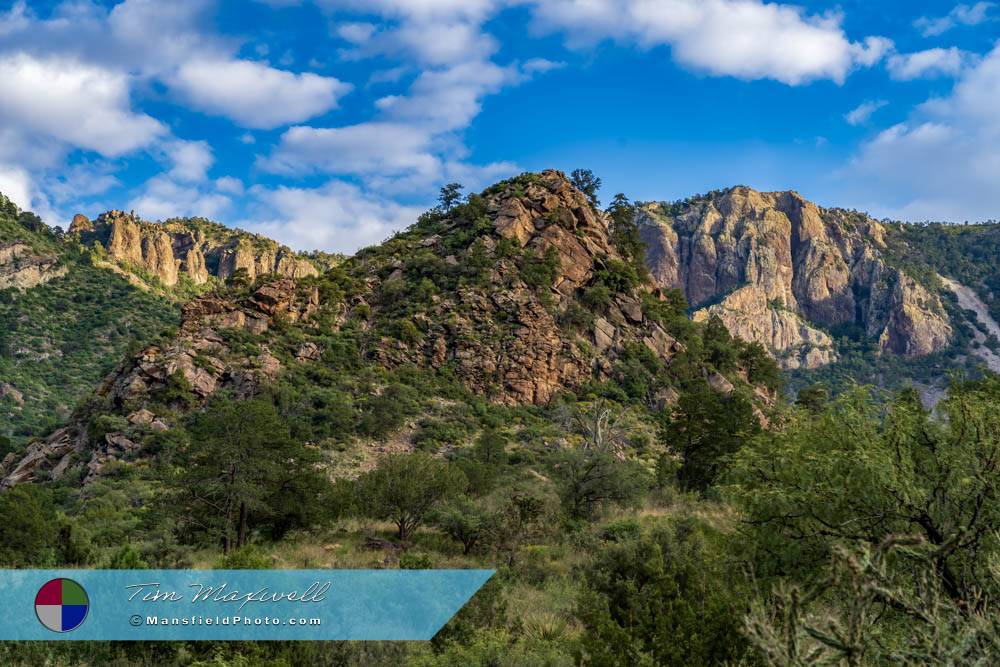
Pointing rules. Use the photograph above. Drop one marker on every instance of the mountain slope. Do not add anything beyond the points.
(732, 251)
(73, 306)
(516, 297)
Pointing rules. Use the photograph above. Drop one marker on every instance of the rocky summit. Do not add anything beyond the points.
(192, 247)
(776, 268)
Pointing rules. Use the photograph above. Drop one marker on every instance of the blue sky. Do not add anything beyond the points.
(329, 124)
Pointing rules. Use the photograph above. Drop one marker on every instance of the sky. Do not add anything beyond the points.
(331, 124)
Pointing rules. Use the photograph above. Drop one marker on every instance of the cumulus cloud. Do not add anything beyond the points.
(925, 64)
(961, 15)
(863, 112)
(384, 147)
(337, 216)
(944, 162)
(746, 39)
(190, 159)
(15, 184)
(82, 104)
(254, 94)
(161, 198)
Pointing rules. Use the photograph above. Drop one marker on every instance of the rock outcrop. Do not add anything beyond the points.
(503, 339)
(21, 269)
(200, 356)
(822, 264)
(168, 250)
(747, 314)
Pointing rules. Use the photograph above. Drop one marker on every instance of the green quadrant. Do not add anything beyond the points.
(72, 593)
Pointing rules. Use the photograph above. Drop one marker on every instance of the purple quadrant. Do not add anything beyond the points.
(73, 615)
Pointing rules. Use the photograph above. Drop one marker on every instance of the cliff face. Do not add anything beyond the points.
(795, 344)
(22, 269)
(167, 250)
(821, 264)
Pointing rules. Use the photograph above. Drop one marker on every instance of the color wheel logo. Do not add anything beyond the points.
(62, 605)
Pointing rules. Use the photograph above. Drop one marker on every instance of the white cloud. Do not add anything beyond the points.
(385, 147)
(746, 39)
(15, 184)
(944, 162)
(254, 94)
(928, 63)
(230, 185)
(448, 99)
(190, 159)
(336, 217)
(961, 15)
(864, 111)
(161, 198)
(81, 104)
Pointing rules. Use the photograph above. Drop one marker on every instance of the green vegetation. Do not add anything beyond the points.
(665, 511)
(60, 339)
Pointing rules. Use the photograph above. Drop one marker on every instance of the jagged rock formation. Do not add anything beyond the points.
(822, 264)
(504, 340)
(201, 356)
(169, 249)
(21, 269)
(795, 344)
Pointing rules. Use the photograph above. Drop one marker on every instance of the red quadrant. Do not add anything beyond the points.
(50, 593)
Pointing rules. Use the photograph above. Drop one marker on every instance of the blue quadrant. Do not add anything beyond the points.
(73, 615)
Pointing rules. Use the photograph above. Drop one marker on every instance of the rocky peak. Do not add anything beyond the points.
(823, 265)
(170, 249)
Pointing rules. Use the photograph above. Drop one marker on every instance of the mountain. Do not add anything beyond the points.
(773, 266)
(518, 296)
(72, 305)
(834, 295)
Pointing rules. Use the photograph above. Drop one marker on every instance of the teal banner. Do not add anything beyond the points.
(232, 604)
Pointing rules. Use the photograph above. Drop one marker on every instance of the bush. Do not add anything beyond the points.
(667, 597)
(28, 527)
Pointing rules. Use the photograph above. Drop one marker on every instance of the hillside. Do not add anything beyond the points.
(74, 305)
(517, 296)
(823, 289)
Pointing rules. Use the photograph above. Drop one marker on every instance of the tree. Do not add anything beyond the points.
(588, 479)
(404, 487)
(515, 516)
(244, 470)
(813, 398)
(585, 181)
(450, 195)
(666, 597)
(759, 366)
(705, 428)
(800, 621)
(856, 472)
(491, 448)
(28, 527)
(464, 520)
(625, 235)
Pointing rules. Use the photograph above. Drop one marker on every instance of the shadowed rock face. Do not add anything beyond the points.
(166, 250)
(822, 265)
(21, 269)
